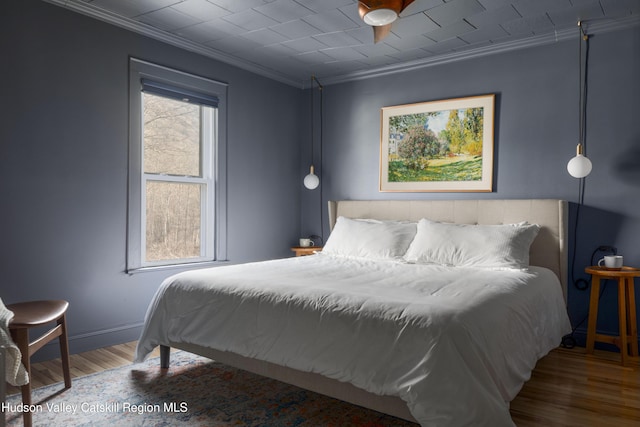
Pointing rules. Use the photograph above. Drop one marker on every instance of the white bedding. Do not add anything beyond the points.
(455, 343)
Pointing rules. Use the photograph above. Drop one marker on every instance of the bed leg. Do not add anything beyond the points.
(165, 356)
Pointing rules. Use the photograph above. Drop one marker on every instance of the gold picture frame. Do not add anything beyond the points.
(438, 146)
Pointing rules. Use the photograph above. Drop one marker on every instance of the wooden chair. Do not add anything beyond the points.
(32, 314)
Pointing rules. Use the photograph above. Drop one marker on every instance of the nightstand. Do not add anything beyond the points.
(308, 250)
(627, 341)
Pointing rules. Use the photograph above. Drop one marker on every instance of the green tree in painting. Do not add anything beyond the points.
(454, 132)
(465, 133)
(418, 145)
(473, 124)
(402, 124)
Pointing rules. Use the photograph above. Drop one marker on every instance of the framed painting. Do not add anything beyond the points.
(444, 145)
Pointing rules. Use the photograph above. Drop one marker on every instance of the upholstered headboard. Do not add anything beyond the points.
(549, 249)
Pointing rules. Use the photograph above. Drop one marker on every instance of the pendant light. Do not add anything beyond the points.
(311, 181)
(580, 165)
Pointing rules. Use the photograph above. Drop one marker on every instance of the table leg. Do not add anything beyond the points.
(622, 315)
(631, 317)
(593, 313)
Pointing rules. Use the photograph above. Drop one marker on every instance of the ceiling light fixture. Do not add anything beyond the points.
(378, 17)
(380, 14)
(580, 166)
(311, 181)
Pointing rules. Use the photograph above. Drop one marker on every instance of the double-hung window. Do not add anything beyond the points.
(176, 168)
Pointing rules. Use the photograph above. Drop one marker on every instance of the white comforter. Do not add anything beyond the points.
(456, 344)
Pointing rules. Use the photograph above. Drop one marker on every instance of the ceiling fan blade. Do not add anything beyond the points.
(381, 32)
(405, 4)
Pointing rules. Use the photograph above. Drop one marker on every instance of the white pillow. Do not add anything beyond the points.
(467, 245)
(369, 238)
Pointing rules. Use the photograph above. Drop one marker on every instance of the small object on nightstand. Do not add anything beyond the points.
(627, 341)
(306, 250)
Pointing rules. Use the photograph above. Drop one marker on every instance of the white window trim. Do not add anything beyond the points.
(216, 249)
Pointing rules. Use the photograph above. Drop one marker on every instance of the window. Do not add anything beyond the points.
(176, 168)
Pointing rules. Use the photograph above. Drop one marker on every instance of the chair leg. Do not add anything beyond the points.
(21, 338)
(64, 351)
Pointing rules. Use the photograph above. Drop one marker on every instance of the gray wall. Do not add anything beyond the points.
(536, 133)
(63, 166)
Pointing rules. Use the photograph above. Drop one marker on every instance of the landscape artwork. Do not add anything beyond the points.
(442, 146)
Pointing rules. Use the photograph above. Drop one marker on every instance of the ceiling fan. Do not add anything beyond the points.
(380, 14)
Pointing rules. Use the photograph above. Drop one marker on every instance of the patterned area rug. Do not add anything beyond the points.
(193, 392)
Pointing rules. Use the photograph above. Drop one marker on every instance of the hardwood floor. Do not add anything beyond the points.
(567, 388)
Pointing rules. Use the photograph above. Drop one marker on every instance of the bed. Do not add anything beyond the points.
(407, 311)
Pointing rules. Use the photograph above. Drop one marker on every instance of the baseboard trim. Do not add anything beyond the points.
(87, 341)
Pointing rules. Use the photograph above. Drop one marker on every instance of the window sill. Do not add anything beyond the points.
(169, 267)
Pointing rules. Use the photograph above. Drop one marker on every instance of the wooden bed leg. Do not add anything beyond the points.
(165, 356)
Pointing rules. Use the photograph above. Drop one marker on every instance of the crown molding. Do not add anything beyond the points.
(594, 26)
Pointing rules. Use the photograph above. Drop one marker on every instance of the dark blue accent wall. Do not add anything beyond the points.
(63, 166)
(536, 132)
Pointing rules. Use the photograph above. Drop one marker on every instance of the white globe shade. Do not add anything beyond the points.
(579, 166)
(311, 181)
(379, 17)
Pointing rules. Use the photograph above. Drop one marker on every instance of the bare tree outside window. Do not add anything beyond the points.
(172, 135)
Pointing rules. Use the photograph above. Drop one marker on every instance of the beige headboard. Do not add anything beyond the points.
(548, 250)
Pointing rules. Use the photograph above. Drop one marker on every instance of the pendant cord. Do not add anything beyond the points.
(312, 120)
(583, 78)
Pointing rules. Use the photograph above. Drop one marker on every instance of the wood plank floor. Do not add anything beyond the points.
(567, 388)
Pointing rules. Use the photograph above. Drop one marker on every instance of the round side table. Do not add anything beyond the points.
(627, 341)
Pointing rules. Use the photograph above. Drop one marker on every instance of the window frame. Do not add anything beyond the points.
(213, 164)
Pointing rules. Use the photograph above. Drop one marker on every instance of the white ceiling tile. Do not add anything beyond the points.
(250, 20)
(528, 8)
(528, 25)
(212, 30)
(447, 45)
(284, 10)
(453, 30)
(296, 29)
(337, 39)
(413, 25)
(495, 4)
(486, 33)
(493, 16)
(238, 5)
(264, 36)
(419, 6)
(312, 57)
(307, 44)
(343, 53)
(410, 55)
(201, 9)
(322, 5)
(168, 19)
(408, 43)
(376, 50)
(572, 15)
(330, 21)
(454, 11)
(234, 44)
(621, 7)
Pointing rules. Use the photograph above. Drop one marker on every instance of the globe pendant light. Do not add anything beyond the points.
(580, 166)
(311, 181)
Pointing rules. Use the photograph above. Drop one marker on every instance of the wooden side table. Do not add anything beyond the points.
(306, 250)
(627, 341)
